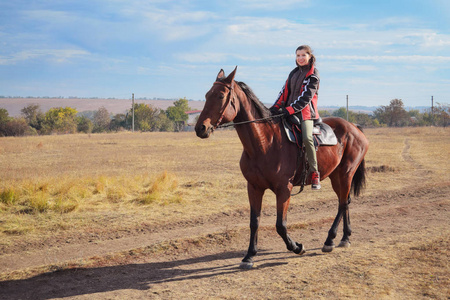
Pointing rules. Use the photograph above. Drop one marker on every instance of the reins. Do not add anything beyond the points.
(252, 121)
(228, 102)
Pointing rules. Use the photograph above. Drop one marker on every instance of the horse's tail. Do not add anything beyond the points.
(359, 179)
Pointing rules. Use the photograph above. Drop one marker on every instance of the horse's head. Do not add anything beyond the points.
(220, 106)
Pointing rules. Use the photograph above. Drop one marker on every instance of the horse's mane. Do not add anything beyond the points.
(258, 105)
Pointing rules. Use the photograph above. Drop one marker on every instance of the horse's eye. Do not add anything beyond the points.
(221, 96)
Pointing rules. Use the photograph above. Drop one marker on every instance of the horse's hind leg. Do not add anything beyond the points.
(329, 244)
(255, 198)
(345, 241)
(341, 186)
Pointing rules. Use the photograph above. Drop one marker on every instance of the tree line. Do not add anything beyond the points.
(148, 118)
(395, 115)
(62, 120)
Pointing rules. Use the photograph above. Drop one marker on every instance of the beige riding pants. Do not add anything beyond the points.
(307, 129)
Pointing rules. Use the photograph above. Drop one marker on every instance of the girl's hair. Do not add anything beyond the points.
(312, 60)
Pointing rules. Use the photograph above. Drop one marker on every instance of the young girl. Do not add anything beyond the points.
(299, 96)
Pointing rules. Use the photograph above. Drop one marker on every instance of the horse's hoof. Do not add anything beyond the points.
(344, 244)
(246, 265)
(326, 248)
(300, 249)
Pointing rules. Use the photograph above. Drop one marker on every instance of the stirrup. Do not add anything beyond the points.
(315, 187)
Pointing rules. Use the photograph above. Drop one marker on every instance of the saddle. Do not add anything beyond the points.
(323, 134)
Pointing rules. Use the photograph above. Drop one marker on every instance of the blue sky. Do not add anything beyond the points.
(373, 51)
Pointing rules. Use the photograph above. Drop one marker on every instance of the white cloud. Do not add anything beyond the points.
(423, 59)
(214, 57)
(47, 15)
(173, 25)
(284, 33)
(432, 40)
(270, 5)
(53, 55)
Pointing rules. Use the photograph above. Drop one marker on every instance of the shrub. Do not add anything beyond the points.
(17, 127)
(60, 120)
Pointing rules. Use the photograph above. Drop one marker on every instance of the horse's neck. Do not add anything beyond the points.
(257, 138)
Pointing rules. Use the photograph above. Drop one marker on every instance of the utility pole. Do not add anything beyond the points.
(347, 107)
(132, 107)
(432, 111)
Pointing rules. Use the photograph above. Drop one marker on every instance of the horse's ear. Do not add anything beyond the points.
(231, 76)
(220, 75)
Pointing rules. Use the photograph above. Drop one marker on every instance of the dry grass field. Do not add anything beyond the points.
(165, 215)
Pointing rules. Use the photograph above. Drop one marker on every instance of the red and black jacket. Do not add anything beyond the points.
(306, 102)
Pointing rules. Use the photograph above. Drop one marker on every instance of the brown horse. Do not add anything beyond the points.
(269, 160)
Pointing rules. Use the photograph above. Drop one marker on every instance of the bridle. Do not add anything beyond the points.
(228, 102)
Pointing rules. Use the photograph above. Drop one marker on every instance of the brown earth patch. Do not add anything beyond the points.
(396, 235)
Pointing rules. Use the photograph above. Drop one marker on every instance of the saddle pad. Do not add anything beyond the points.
(325, 138)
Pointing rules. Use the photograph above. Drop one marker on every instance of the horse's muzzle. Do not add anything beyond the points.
(203, 131)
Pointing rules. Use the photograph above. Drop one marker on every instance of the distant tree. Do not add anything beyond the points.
(4, 119)
(393, 115)
(102, 120)
(4, 116)
(416, 118)
(33, 115)
(60, 120)
(177, 113)
(440, 115)
(84, 124)
(364, 120)
(342, 113)
(145, 117)
(324, 113)
(377, 123)
(118, 122)
(164, 123)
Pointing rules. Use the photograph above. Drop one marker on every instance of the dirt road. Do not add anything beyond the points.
(399, 250)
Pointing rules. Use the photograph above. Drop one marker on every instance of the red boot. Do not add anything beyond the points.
(315, 181)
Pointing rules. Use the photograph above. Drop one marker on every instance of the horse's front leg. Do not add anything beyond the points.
(255, 196)
(283, 199)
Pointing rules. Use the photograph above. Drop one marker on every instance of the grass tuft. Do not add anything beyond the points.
(115, 194)
(65, 205)
(163, 191)
(39, 202)
(99, 185)
(8, 196)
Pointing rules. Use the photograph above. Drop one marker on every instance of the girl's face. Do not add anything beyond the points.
(302, 57)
